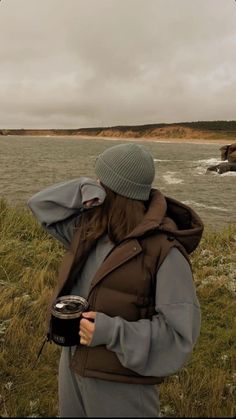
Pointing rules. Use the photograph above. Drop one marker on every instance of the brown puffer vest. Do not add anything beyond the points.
(124, 285)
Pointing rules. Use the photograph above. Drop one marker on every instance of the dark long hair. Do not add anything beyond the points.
(117, 217)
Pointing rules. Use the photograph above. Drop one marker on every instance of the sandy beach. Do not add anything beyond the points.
(155, 140)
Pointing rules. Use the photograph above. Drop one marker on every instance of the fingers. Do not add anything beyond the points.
(89, 314)
(84, 339)
(86, 331)
(91, 202)
(86, 326)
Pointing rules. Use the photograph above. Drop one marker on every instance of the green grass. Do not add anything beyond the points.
(206, 386)
(29, 258)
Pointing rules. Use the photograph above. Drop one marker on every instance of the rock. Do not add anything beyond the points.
(228, 152)
(223, 168)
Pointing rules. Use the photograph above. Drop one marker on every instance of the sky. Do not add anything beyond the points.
(87, 63)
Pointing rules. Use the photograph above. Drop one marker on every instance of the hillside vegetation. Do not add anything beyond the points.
(29, 258)
(192, 130)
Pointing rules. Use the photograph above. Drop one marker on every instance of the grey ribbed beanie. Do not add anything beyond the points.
(127, 169)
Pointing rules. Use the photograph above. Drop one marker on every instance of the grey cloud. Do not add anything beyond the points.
(88, 62)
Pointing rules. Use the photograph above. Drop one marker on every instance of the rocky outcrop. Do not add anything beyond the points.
(228, 152)
(228, 156)
(223, 168)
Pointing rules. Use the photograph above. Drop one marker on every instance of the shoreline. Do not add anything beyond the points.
(132, 139)
(158, 140)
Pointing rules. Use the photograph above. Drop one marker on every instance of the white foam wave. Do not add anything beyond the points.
(200, 170)
(161, 160)
(228, 174)
(171, 160)
(209, 161)
(199, 205)
(204, 164)
(171, 179)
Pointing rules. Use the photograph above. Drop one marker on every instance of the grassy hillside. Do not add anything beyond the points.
(225, 130)
(28, 262)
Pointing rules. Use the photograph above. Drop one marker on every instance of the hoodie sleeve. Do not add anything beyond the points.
(58, 207)
(160, 346)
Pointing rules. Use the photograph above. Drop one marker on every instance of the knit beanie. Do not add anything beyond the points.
(127, 169)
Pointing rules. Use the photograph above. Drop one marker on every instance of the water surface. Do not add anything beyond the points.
(29, 164)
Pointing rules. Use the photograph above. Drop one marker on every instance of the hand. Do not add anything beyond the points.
(91, 202)
(87, 327)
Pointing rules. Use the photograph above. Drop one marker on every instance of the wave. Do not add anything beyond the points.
(209, 161)
(171, 179)
(228, 174)
(199, 205)
(161, 160)
(171, 160)
(204, 161)
(201, 170)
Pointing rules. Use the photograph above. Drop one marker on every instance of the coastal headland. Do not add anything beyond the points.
(218, 132)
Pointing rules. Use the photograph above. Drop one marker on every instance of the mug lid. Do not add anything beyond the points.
(69, 305)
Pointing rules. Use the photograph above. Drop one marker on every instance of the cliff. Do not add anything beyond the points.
(185, 130)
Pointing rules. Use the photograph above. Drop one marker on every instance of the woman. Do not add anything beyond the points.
(128, 249)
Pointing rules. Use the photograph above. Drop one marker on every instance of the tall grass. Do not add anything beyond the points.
(29, 258)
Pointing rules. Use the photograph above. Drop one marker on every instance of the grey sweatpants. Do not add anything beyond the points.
(90, 397)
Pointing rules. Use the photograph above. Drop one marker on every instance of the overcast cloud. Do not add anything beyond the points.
(81, 63)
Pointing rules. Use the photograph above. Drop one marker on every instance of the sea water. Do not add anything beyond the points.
(29, 164)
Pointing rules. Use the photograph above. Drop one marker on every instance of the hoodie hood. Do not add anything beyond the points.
(170, 216)
(188, 227)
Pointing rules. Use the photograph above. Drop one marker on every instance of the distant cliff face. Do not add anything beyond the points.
(165, 132)
(191, 130)
(37, 132)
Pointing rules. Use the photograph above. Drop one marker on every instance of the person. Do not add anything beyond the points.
(128, 250)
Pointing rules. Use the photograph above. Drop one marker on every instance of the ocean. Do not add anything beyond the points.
(29, 164)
